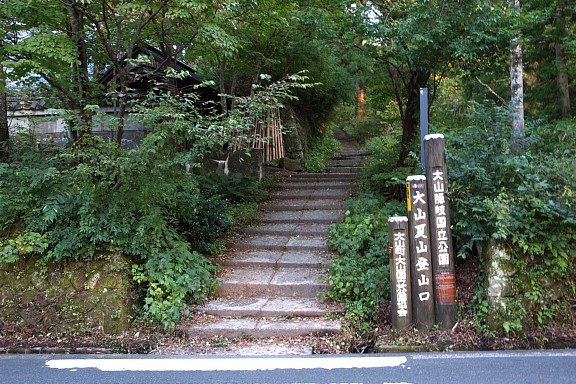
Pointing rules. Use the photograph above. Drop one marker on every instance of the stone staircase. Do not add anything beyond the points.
(273, 279)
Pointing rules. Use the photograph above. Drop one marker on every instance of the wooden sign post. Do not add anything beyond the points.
(441, 235)
(420, 255)
(400, 272)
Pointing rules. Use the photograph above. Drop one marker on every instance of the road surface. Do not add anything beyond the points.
(472, 367)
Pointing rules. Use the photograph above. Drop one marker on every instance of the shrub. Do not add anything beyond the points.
(322, 150)
(383, 176)
(359, 274)
(525, 201)
(82, 202)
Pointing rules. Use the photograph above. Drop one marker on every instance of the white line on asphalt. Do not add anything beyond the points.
(493, 355)
(230, 364)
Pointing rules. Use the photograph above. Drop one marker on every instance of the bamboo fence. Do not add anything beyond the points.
(264, 134)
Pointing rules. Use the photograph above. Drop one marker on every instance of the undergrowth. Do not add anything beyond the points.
(322, 149)
(526, 203)
(359, 274)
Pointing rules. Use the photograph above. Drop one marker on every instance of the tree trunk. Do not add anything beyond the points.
(222, 84)
(563, 82)
(4, 131)
(418, 79)
(82, 96)
(122, 107)
(561, 61)
(516, 87)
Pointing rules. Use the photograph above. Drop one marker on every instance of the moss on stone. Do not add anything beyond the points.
(73, 297)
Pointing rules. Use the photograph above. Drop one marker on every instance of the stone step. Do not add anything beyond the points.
(276, 307)
(302, 205)
(306, 216)
(275, 259)
(271, 283)
(282, 243)
(354, 162)
(353, 170)
(263, 328)
(322, 176)
(312, 194)
(317, 184)
(347, 153)
(273, 273)
(287, 229)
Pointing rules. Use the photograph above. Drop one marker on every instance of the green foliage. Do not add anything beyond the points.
(203, 221)
(525, 201)
(359, 274)
(92, 198)
(22, 245)
(322, 150)
(384, 177)
(237, 188)
(85, 201)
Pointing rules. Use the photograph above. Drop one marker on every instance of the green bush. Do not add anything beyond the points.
(323, 149)
(82, 202)
(383, 176)
(526, 201)
(359, 275)
(236, 188)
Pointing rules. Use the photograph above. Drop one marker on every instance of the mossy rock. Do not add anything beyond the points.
(73, 297)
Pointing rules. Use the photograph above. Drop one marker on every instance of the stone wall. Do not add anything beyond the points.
(73, 298)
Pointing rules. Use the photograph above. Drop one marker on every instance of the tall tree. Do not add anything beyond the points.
(516, 83)
(4, 130)
(548, 31)
(419, 42)
(560, 21)
(119, 25)
(46, 46)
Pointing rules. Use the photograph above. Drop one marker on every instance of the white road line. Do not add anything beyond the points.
(493, 355)
(230, 364)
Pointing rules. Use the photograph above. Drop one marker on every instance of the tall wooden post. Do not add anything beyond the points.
(441, 235)
(420, 255)
(400, 272)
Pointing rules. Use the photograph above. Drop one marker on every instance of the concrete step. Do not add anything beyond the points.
(281, 243)
(353, 170)
(273, 274)
(305, 216)
(352, 162)
(322, 176)
(263, 328)
(276, 307)
(313, 184)
(302, 205)
(324, 194)
(354, 153)
(287, 229)
(276, 259)
(272, 283)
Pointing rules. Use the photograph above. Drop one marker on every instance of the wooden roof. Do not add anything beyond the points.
(146, 73)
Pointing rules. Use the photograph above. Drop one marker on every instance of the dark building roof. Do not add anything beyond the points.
(18, 103)
(153, 75)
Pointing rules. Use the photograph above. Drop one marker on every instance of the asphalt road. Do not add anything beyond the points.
(474, 367)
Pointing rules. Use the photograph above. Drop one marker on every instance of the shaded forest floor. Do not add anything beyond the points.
(144, 338)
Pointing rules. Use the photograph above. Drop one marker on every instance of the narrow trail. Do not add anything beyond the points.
(274, 276)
